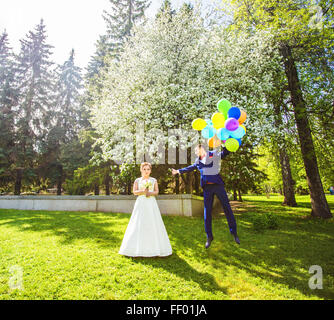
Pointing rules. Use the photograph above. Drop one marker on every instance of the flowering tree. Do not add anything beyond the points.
(173, 70)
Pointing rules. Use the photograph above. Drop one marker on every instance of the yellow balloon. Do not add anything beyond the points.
(232, 145)
(242, 126)
(199, 124)
(218, 120)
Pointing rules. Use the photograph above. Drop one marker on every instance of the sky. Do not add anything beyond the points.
(69, 24)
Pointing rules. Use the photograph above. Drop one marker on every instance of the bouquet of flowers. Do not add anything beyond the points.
(148, 184)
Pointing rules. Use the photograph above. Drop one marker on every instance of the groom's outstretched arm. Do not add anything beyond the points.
(188, 169)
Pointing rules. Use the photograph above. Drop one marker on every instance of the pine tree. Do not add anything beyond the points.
(68, 100)
(66, 119)
(8, 100)
(99, 59)
(36, 102)
(123, 16)
(240, 171)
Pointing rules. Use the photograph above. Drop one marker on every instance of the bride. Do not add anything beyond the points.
(146, 235)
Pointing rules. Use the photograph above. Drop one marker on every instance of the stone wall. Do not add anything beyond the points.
(182, 205)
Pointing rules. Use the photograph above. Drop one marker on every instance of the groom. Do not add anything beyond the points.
(208, 165)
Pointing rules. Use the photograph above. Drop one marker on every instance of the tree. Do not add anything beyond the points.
(172, 71)
(8, 101)
(36, 101)
(66, 120)
(290, 23)
(123, 16)
(68, 110)
(240, 171)
(280, 140)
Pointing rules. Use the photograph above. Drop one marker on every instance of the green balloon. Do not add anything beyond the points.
(223, 107)
(232, 144)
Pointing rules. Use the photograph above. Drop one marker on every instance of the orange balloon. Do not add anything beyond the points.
(243, 117)
(214, 142)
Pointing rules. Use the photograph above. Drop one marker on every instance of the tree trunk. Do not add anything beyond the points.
(319, 203)
(197, 182)
(177, 184)
(239, 194)
(18, 181)
(129, 185)
(190, 178)
(59, 179)
(177, 177)
(96, 189)
(235, 198)
(107, 181)
(288, 182)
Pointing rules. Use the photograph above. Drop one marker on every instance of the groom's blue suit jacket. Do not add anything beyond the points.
(210, 168)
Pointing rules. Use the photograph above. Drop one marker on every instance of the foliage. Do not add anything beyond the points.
(240, 171)
(8, 98)
(173, 70)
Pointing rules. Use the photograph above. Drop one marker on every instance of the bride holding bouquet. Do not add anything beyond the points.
(146, 235)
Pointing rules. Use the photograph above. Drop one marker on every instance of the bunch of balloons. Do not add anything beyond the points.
(225, 127)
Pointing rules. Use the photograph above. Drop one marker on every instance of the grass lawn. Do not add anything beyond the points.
(74, 255)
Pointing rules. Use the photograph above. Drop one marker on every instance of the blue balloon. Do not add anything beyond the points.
(239, 140)
(239, 133)
(208, 132)
(234, 112)
(209, 122)
(223, 134)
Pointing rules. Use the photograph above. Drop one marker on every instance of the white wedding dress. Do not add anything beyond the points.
(146, 235)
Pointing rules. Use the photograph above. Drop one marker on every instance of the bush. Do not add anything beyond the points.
(259, 223)
(272, 221)
(265, 221)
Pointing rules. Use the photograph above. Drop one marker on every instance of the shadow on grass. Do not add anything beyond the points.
(69, 226)
(281, 256)
(174, 264)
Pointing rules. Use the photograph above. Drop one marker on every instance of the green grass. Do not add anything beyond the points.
(74, 255)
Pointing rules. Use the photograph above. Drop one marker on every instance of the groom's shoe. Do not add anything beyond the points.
(208, 242)
(236, 239)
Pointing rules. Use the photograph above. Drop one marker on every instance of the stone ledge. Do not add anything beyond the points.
(181, 205)
(112, 197)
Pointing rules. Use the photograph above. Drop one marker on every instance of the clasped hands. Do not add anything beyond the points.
(146, 192)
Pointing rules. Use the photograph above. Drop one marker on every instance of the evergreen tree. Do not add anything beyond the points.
(36, 102)
(99, 60)
(66, 121)
(123, 16)
(8, 100)
(240, 172)
(68, 100)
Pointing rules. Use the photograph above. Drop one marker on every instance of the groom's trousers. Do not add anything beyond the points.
(209, 190)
